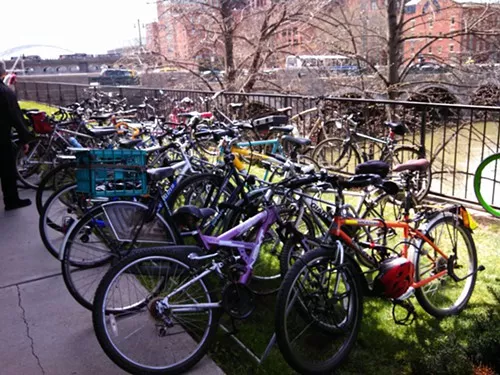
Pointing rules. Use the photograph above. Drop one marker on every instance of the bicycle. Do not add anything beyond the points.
(487, 172)
(342, 154)
(321, 297)
(322, 127)
(172, 296)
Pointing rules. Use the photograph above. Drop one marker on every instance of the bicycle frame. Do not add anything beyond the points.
(248, 252)
(239, 149)
(409, 233)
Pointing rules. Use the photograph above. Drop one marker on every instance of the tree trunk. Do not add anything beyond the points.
(228, 26)
(393, 53)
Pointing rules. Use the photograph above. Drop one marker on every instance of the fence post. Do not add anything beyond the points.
(60, 96)
(37, 93)
(76, 94)
(423, 125)
(48, 94)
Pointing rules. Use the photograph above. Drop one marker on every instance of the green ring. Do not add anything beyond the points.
(477, 184)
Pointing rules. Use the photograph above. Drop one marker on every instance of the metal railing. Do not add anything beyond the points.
(455, 138)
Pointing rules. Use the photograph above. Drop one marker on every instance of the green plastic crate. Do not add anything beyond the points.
(111, 173)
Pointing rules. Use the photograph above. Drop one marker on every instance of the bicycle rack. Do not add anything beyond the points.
(241, 344)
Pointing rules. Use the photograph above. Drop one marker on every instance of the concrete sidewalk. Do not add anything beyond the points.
(43, 330)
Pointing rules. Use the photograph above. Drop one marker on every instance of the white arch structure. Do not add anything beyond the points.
(28, 46)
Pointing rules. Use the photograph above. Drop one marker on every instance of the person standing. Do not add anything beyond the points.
(10, 116)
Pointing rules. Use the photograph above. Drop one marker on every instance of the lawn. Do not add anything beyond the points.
(447, 346)
(24, 104)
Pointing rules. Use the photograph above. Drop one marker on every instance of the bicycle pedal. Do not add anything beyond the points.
(410, 316)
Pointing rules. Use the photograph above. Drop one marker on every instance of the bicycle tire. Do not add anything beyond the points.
(478, 177)
(53, 181)
(440, 264)
(267, 272)
(326, 158)
(117, 351)
(109, 225)
(23, 174)
(290, 254)
(324, 332)
(48, 225)
(203, 181)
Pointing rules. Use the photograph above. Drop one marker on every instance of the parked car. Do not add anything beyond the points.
(427, 68)
(116, 77)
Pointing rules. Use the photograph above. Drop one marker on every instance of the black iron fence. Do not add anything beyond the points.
(455, 138)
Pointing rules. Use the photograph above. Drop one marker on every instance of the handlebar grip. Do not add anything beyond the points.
(296, 183)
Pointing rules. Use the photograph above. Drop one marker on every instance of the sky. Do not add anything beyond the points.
(89, 26)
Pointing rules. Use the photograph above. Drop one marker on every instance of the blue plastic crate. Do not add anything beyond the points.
(111, 173)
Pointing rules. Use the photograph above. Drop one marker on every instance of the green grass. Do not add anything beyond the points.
(24, 104)
(382, 346)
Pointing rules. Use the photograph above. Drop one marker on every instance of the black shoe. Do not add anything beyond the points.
(20, 203)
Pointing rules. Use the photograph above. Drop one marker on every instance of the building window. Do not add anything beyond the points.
(431, 23)
(440, 49)
(452, 20)
(451, 47)
(412, 24)
(374, 5)
(410, 9)
(430, 49)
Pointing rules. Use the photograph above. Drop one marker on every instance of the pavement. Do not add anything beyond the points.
(42, 329)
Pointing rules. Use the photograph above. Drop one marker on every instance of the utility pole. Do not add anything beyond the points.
(139, 28)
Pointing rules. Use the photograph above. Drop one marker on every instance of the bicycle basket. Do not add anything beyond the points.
(111, 173)
(41, 123)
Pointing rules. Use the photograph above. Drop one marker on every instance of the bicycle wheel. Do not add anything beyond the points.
(318, 313)
(101, 238)
(336, 154)
(58, 177)
(32, 167)
(145, 335)
(63, 208)
(423, 179)
(201, 190)
(486, 183)
(444, 296)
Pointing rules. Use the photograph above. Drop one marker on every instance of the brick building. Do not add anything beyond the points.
(441, 31)
(179, 37)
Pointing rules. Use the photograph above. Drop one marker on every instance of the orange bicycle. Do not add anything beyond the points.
(320, 303)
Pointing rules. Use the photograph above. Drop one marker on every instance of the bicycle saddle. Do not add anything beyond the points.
(188, 216)
(158, 174)
(378, 167)
(412, 165)
(296, 140)
(397, 127)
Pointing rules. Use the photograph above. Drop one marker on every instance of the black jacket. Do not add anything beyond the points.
(11, 116)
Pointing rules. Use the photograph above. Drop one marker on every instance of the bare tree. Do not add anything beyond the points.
(401, 33)
(242, 33)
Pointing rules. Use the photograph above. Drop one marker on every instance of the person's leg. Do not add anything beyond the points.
(8, 176)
